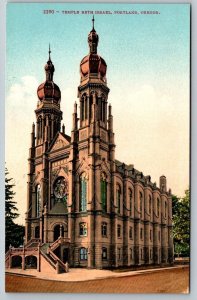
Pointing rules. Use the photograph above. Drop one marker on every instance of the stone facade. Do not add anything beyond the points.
(103, 212)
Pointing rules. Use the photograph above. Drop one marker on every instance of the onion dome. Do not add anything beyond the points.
(93, 63)
(48, 89)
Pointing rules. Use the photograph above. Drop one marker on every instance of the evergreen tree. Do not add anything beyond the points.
(14, 232)
(181, 224)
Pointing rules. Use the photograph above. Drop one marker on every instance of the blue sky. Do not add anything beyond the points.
(148, 59)
(147, 44)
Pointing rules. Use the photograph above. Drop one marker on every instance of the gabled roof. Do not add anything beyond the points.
(60, 140)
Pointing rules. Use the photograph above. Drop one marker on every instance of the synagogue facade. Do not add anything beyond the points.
(84, 206)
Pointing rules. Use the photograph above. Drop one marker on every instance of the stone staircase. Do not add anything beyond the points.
(46, 251)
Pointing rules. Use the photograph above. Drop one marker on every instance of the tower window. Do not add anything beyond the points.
(130, 201)
(38, 200)
(83, 229)
(104, 253)
(104, 193)
(104, 229)
(150, 204)
(118, 193)
(158, 207)
(165, 209)
(119, 231)
(141, 201)
(159, 235)
(150, 235)
(141, 233)
(83, 194)
(83, 253)
(130, 232)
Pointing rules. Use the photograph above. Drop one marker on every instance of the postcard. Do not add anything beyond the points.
(97, 148)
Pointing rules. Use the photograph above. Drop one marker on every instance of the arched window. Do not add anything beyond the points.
(150, 204)
(158, 204)
(83, 253)
(118, 194)
(165, 209)
(103, 109)
(82, 108)
(83, 229)
(60, 189)
(130, 201)
(104, 229)
(86, 107)
(141, 233)
(104, 253)
(90, 106)
(38, 200)
(141, 202)
(119, 231)
(159, 235)
(130, 232)
(83, 193)
(103, 192)
(150, 235)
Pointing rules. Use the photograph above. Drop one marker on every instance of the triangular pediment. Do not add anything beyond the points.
(60, 141)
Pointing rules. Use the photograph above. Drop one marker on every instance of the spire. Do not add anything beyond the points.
(49, 52)
(93, 23)
(93, 39)
(49, 67)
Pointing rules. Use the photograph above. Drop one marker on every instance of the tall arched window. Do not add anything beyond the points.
(130, 201)
(103, 192)
(141, 202)
(165, 209)
(102, 108)
(38, 200)
(118, 194)
(150, 204)
(83, 193)
(90, 106)
(157, 206)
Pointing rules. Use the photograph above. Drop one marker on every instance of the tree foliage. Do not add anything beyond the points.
(14, 232)
(181, 224)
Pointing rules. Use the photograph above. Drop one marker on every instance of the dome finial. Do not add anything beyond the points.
(49, 52)
(93, 20)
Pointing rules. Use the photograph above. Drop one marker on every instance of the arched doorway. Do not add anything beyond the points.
(16, 261)
(31, 262)
(37, 232)
(58, 231)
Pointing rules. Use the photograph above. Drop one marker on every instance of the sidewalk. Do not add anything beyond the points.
(78, 274)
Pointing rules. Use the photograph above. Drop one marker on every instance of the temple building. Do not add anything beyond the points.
(84, 206)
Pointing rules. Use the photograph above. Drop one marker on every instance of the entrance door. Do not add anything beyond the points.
(56, 232)
(66, 255)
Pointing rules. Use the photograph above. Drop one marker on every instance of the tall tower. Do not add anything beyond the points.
(48, 123)
(93, 90)
(96, 147)
(48, 113)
